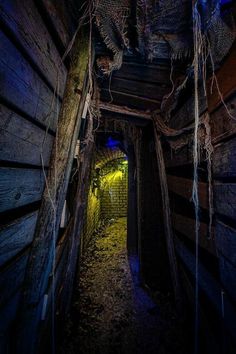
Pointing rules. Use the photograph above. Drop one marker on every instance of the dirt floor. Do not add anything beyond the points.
(111, 312)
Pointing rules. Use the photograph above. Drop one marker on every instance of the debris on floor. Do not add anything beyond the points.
(111, 312)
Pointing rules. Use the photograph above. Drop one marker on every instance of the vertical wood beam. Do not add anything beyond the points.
(132, 241)
(167, 218)
(40, 265)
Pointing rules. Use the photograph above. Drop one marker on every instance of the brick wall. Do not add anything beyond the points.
(92, 219)
(114, 189)
(107, 197)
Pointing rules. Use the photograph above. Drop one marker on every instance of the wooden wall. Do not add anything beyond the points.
(33, 37)
(217, 261)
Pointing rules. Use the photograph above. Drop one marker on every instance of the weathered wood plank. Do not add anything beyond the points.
(132, 101)
(225, 199)
(12, 278)
(222, 126)
(19, 187)
(24, 21)
(167, 219)
(186, 226)
(122, 110)
(56, 20)
(226, 81)
(21, 141)
(183, 156)
(210, 287)
(62, 243)
(22, 87)
(8, 314)
(228, 277)
(183, 187)
(147, 90)
(225, 238)
(185, 114)
(15, 236)
(41, 256)
(224, 158)
(155, 74)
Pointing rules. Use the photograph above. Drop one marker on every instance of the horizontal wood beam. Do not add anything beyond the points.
(186, 226)
(131, 100)
(123, 110)
(183, 187)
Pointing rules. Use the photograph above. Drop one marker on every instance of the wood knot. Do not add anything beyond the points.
(78, 91)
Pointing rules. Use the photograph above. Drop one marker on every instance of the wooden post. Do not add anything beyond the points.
(81, 199)
(40, 264)
(139, 197)
(167, 218)
(132, 230)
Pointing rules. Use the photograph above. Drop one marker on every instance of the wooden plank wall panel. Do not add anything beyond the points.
(15, 236)
(222, 247)
(22, 87)
(186, 226)
(225, 199)
(56, 20)
(211, 288)
(226, 241)
(28, 75)
(19, 187)
(23, 20)
(12, 278)
(21, 141)
(224, 159)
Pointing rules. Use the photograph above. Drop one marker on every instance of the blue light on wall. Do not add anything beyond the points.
(223, 2)
(112, 143)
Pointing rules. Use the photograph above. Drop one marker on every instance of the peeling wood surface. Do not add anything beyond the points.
(19, 187)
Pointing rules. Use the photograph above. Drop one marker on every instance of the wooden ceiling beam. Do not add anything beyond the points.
(130, 100)
(123, 110)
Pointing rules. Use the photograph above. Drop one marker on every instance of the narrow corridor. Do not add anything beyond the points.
(111, 312)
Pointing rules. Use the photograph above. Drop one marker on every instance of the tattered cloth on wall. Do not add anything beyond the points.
(164, 21)
(164, 28)
(170, 21)
(111, 19)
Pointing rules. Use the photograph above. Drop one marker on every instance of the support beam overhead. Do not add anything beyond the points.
(132, 113)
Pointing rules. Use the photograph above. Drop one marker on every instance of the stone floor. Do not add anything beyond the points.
(111, 312)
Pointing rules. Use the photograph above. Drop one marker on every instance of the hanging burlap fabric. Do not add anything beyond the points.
(111, 20)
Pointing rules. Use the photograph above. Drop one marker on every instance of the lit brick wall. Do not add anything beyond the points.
(92, 218)
(114, 189)
(107, 197)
